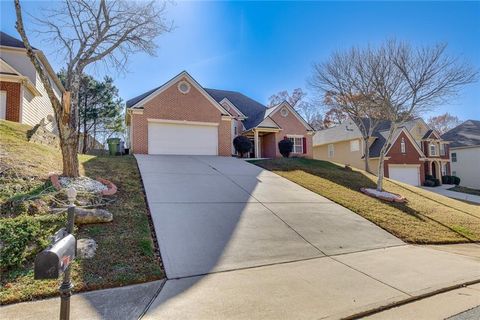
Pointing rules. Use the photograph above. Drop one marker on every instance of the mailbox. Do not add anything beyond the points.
(54, 260)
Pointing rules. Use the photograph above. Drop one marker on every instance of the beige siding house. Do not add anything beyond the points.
(24, 98)
(415, 152)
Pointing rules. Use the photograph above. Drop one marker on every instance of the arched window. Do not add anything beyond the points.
(402, 145)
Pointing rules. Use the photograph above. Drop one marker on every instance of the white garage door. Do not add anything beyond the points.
(406, 174)
(188, 138)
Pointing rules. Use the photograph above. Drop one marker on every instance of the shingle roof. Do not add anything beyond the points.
(137, 99)
(427, 134)
(255, 111)
(376, 147)
(9, 41)
(466, 134)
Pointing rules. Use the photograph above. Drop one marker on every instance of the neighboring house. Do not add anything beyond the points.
(23, 98)
(182, 117)
(465, 152)
(416, 150)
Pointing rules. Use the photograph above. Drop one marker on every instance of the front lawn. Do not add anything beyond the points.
(427, 218)
(126, 253)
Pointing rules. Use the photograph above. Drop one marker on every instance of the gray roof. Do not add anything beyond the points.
(466, 134)
(137, 99)
(376, 147)
(255, 111)
(9, 41)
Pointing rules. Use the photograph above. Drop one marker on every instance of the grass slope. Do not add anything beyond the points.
(125, 253)
(427, 218)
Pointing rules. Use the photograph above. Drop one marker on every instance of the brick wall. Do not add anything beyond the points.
(411, 156)
(291, 125)
(13, 100)
(171, 104)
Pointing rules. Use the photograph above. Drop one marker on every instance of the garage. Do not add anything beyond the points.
(405, 173)
(182, 137)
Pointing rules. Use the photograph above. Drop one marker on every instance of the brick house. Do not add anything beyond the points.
(23, 98)
(416, 150)
(182, 117)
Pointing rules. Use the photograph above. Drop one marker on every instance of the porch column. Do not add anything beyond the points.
(255, 140)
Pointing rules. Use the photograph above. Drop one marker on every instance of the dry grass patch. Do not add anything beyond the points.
(126, 253)
(427, 218)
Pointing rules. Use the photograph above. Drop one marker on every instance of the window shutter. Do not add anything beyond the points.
(304, 145)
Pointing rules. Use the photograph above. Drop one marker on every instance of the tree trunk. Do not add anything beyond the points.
(381, 160)
(69, 147)
(366, 154)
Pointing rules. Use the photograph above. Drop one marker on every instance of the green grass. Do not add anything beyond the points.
(427, 218)
(125, 253)
(465, 190)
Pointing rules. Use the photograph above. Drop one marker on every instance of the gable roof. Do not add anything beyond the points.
(9, 41)
(466, 134)
(139, 101)
(254, 110)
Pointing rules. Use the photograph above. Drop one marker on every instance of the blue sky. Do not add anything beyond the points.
(260, 48)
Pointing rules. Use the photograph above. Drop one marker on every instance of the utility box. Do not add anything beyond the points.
(54, 260)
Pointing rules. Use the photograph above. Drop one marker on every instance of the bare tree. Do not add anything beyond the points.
(346, 83)
(394, 82)
(444, 122)
(88, 32)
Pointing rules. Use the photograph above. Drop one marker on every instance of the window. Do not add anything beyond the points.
(402, 145)
(354, 145)
(284, 112)
(442, 149)
(331, 150)
(433, 150)
(235, 130)
(454, 157)
(297, 144)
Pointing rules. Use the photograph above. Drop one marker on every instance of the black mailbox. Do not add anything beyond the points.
(54, 260)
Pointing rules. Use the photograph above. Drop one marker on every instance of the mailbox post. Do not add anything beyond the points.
(57, 258)
(66, 287)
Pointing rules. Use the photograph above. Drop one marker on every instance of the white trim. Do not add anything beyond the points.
(407, 133)
(293, 111)
(24, 81)
(295, 136)
(4, 93)
(20, 115)
(198, 123)
(231, 105)
(185, 83)
(226, 118)
(179, 77)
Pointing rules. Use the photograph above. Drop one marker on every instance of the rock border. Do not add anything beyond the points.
(111, 187)
(398, 198)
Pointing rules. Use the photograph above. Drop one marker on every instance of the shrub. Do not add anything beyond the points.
(429, 177)
(242, 145)
(447, 179)
(429, 183)
(285, 146)
(23, 237)
(455, 180)
(436, 182)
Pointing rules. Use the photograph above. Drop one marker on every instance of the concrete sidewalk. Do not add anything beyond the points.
(451, 305)
(443, 190)
(125, 303)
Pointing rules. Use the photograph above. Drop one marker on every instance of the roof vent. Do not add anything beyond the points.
(183, 87)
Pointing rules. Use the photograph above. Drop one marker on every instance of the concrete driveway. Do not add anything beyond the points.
(240, 242)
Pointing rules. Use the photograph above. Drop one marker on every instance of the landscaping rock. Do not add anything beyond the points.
(87, 216)
(86, 248)
(384, 195)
